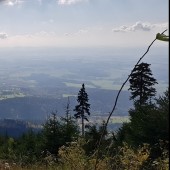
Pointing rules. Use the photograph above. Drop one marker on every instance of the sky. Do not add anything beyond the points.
(82, 23)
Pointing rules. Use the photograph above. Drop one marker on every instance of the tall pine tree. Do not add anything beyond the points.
(83, 107)
(141, 84)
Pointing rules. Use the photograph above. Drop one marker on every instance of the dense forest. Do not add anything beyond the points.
(142, 143)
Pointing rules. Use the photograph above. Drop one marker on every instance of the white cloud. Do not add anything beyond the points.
(3, 35)
(85, 37)
(162, 26)
(139, 26)
(12, 2)
(68, 2)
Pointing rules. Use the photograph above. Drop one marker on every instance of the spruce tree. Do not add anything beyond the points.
(83, 107)
(141, 84)
(70, 128)
(52, 134)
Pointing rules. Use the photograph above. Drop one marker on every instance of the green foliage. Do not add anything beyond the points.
(7, 148)
(162, 37)
(28, 148)
(69, 126)
(74, 157)
(24, 150)
(92, 137)
(124, 134)
(52, 134)
(163, 102)
(148, 124)
(128, 158)
(33, 147)
(58, 132)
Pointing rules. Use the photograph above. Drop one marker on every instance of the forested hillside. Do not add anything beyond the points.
(141, 143)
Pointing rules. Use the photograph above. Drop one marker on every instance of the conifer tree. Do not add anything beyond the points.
(69, 125)
(141, 84)
(83, 107)
(52, 134)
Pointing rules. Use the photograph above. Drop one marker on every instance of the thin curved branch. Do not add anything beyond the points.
(104, 128)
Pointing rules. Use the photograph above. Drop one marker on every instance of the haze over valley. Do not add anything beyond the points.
(36, 82)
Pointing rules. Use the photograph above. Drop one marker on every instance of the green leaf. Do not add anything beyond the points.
(162, 37)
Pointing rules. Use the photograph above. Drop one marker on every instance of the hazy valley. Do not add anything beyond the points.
(33, 86)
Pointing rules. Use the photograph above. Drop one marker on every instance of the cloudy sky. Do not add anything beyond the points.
(81, 23)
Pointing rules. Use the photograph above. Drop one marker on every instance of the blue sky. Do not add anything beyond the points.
(82, 23)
